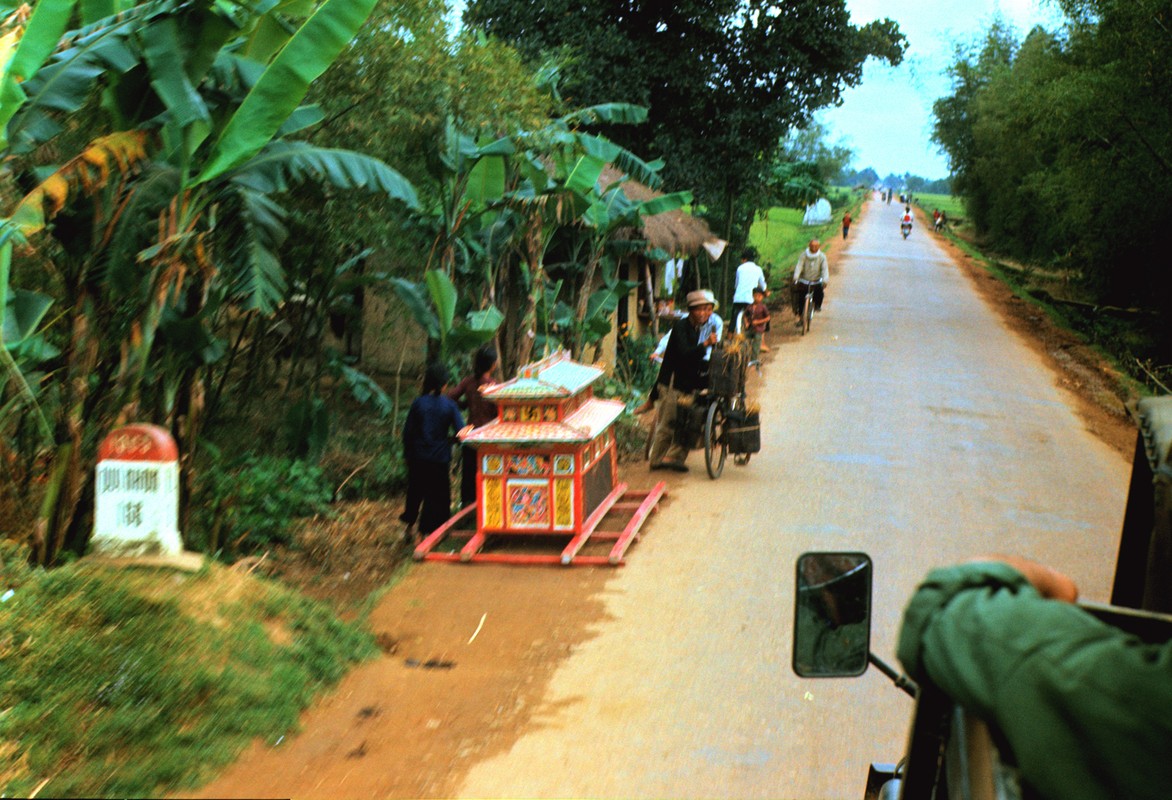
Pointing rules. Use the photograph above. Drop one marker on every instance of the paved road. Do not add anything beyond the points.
(911, 424)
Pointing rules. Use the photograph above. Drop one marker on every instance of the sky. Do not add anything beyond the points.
(887, 120)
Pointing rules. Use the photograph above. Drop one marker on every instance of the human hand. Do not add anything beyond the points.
(1049, 582)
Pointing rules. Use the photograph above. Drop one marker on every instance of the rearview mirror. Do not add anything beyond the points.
(832, 615)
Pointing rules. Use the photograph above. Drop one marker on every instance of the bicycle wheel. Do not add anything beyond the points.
(715, 444)
(807, 310)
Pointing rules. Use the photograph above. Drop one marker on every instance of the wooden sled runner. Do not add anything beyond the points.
(633, 505)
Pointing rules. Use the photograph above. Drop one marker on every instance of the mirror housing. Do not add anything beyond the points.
(832, 615)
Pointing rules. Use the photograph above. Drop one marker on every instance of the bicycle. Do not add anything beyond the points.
(806, 314)
(724, 397)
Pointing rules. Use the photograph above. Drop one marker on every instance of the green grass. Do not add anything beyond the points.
(140, 682)
(780, 238)
(951, 205)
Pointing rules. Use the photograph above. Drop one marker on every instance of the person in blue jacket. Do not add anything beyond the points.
(427, 449)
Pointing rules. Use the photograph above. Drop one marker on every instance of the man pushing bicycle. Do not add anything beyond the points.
(683, 372)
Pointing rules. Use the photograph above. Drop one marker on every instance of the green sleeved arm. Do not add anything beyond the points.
(1085, 708)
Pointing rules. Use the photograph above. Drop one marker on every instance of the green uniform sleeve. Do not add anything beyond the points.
(1085, 708)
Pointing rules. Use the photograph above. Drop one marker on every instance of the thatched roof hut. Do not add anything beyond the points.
(675, 232)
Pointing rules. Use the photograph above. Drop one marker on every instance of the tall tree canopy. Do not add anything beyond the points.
(1062, 146)
(724, 81)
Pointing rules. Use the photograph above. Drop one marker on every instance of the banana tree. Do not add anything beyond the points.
(168, 212)
(505, 203)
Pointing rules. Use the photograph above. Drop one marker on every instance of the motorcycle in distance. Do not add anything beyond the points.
(905, 228)
(950, 754)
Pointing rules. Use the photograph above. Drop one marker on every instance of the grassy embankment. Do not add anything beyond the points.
(139, 682)
(1128, 338)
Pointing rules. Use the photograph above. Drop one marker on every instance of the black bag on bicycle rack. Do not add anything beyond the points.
(690, 419)
(742, 429)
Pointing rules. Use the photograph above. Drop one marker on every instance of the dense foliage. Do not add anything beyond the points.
(180, 229)
(724, 82)
(1061, 145)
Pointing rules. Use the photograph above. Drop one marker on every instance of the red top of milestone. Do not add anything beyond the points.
(138, 442)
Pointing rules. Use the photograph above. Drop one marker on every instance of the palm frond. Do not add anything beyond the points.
(258, 278)
(281, 164)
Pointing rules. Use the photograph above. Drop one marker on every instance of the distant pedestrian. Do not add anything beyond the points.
(427, 449)
(846, 224)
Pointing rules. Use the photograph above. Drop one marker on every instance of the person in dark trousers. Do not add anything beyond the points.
(467, 395)
(427, 449)
(684, 371)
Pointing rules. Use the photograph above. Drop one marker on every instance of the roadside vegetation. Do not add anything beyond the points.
(1128, 337)
(1063, 158)
(135, 682)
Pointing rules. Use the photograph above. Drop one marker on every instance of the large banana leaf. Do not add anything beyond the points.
(486, 180)
(583, 176)
(283, 163)
(479, 327)
(284, 84)
(646, 172)
(444, 296)
(304, 117)
(65, 84)
(23, 314)
(40, 37)
(610, 113)
(33, 308)
(414, 295)
(188, 121)
(667, 202)
(272, 30)
(93, 10)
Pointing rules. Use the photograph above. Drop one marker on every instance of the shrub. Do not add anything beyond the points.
(252, 503)
(634, 366)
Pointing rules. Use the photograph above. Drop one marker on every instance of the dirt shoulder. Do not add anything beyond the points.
(1093, 384)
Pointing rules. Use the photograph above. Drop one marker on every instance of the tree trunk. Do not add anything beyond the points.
(584, 291)
(527, 330)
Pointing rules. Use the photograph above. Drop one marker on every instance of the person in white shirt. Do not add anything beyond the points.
(750, 276)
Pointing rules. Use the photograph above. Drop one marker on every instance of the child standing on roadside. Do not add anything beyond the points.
(758, 314)
(427, 449)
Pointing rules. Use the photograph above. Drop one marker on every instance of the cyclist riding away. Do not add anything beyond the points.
(812, 273)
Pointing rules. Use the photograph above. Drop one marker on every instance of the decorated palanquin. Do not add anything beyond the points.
(547, 465)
